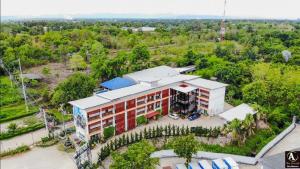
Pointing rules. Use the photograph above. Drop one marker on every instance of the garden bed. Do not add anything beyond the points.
(20, 131)
(18, 150)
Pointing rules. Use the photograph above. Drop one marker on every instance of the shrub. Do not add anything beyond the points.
(12, 127)
(19, 131)
(108, 132)
(141, 120)
(19, 149)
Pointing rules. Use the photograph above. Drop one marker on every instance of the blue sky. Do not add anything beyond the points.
(281, 9)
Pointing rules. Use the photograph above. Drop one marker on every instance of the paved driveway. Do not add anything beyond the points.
(204, 121)
(40, 158)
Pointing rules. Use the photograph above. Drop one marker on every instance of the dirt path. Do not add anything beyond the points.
(57, 73)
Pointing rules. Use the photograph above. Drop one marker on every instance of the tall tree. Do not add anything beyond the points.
(74, 87)
(137, 156)
(185, 147)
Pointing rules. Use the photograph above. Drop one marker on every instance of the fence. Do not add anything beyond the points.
(237, 158)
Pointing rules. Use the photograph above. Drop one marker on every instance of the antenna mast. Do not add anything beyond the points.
(222, 31)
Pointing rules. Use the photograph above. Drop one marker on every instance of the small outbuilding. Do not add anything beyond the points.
(239, 112)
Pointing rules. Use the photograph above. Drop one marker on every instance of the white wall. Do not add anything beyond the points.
(216, 101)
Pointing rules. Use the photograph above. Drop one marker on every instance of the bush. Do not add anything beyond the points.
(18, 150)
(19, 131)
(141, 120)
(12, 127)
(108, 132)
(47, 141)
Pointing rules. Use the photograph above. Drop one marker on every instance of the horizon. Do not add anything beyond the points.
(237, 9)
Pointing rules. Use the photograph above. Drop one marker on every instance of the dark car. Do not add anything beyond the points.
(193, 116)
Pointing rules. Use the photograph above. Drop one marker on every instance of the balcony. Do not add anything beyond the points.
(107, 113)
(141, 102)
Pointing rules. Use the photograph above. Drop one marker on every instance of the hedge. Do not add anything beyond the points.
(18, 150)
(20, 131)
(141, 120)
(108, 132)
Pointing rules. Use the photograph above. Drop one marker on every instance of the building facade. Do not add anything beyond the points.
(158, 90)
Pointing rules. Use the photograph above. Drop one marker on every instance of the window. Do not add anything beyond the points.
(150, 107)
(157, 105)
(140, 111)
(157, 96)
(150, 97)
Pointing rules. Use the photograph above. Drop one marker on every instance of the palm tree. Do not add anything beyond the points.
(261, 113)
(235, 128)
(248, 124)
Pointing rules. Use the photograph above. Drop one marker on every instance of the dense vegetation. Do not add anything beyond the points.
(245, 60)
(259, 60)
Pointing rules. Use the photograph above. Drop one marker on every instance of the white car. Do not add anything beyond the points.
(173, 116)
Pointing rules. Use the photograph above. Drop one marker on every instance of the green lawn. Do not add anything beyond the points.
(9, 94)
(15, 111)
(58, 115)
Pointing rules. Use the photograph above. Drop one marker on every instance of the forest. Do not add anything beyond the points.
(260, 60)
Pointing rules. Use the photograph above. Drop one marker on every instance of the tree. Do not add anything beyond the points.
(77, 62)
(235, 128)
(74, 87)
(255, 92)
(137, 156)
(185, 147)
(248, 124)
(139, 58)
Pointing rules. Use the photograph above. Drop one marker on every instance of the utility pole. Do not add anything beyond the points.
(23, 86)
(223, 30)
(63, 118)
(45, 120)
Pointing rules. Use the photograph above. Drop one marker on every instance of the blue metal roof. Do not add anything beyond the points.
(117, 83)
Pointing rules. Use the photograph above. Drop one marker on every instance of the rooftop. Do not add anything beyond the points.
(117, 83)
(152, 74)
(89, 102)
(142, 81)
(209, 84)
(123, 92)
(238, 112)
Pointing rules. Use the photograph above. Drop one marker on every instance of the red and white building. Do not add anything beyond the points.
(156, 90)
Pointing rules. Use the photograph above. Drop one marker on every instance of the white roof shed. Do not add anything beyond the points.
(238, 112)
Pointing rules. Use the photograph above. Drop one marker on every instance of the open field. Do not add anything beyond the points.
(15, 111)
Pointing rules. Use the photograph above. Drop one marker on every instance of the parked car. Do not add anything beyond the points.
(193, 116)
(173, 116)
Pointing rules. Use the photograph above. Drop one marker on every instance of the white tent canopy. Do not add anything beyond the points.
(238, 112)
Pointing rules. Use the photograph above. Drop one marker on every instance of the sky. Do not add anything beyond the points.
(279, 9)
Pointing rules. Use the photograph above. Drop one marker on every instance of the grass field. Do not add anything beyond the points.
(11, 103)
(58, 115)
(15, 111)
(9, 93)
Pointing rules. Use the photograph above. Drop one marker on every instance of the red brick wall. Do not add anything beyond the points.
(131, 119)
(131, 104)
(165, 106)
(120, 123)
(120, 107)
(165, 93)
